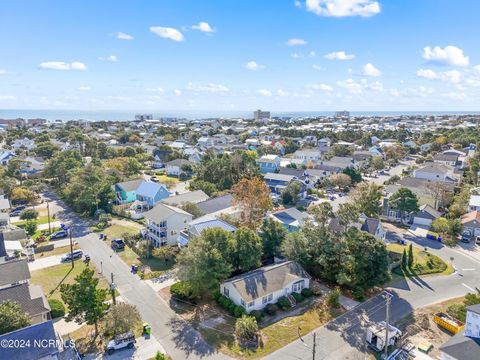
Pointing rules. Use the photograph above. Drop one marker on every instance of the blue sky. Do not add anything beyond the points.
(218, 55)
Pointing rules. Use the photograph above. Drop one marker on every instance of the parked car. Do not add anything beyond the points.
(15, 213)
(312, 197)
(59, 235)
(121, 341)
(117, 244)
(77, 254)
(19, 208)
(477, 240)
(466, 236)
(154, 179)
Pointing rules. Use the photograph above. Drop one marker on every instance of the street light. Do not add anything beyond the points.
(65, 228)
(304, 344)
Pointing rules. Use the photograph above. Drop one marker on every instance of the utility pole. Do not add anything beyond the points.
(313, 348)
(71, 247)
(48, 215)
(113, 286)
(388, 298)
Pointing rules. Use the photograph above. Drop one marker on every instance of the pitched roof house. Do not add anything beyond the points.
(164, 224)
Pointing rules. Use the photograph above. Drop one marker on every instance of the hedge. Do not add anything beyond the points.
(183, 290)
(57, 309)
(283, 303)
(271, 309)
(256, 314)
(306, 292)
(230, 306)
(298, 297)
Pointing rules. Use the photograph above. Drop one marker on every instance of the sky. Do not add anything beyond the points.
(221, 55)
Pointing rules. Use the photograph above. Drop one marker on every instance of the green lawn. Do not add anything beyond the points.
(156, 265)
(52, 277)
(116, 231)
(40, 220)
(425, 263)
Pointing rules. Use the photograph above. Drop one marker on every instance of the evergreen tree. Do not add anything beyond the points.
(410, 256)
(404, 259)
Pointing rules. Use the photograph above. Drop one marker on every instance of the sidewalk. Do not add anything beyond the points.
(44, 262)
(346, 302)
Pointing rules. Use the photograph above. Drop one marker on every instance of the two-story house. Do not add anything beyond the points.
(256, 289)
(269, 163)
(435, 172)
(307, 155)
(150, 193)
(197, 226)
(164, 224)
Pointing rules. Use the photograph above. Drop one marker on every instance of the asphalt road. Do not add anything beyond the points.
(344, 338)
(176, 336)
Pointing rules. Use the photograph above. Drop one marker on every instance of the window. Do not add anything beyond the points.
(270, 297)
(251, 303)
(264, 299)
(226, 292)
(242, 302)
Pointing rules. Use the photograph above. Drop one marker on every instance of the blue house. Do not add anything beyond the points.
(6, 156)
(127, 191)
(150, 193)
(269, 163)
(290, 218)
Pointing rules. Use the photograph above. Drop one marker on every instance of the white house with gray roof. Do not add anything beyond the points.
(256, 289)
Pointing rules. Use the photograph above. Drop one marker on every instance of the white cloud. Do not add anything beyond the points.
(312, 54)
(375, 86)
(339, 55)
(316, 67)
(167, 33)
(320, 87)
(265, 92)
(351, 86)
(211, 87)
(296, 56)
(84, 88)
(341, 8)
(370, 70)
(3, 72)
(295, 42)
(61, 65)
(122, 36)
(111, 58)
(7, 97)
(177, 92)
(203, 27)
(157, 90)
(253, 65)
(455, 96)
(449, 55)
(427, 74)
(298, 4)
(281, 92)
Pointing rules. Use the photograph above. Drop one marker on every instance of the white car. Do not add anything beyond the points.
(121, 341)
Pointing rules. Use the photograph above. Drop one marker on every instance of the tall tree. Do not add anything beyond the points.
(405, 201)
(340, 180)
(247, 250)
(354, 174)
(252, 196)
(86, 302)
(12, 317)
(366, 197)
(410, 256)
(322, 213)
(272, 234)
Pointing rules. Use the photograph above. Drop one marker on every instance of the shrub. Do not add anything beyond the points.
(283, 303)
(57, 309)
(257, 314)
(183, 290)
(298, 297)
(159, 356)
(246, 328)
(217, 295)
(307, 292)
(333, 299)
(238, 311)
(271, 309)
(316, 290)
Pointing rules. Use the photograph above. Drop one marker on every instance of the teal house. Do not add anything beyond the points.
(127, 191)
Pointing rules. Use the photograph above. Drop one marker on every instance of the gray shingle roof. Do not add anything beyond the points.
(268, 279)
(161, 212)
(131, 185)
(462, 347)
(189, 197)
(216, 204)
(29, 297)
(13, 271)
(370, 225)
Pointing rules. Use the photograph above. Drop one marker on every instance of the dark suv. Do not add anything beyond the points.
(118, 244)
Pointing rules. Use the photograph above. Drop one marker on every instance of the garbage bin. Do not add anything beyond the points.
(134, 269)
(147, 329)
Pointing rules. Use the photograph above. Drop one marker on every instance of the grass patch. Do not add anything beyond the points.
(424, 263)
(273, 337)
(56, 251)
(40, 221)
(52, 277)
(115, 231)
(157, 266)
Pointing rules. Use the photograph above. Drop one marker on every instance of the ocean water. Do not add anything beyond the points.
(128, 115)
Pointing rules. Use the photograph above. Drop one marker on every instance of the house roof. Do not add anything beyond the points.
(370, 225)
(209, 222)
(13, 234)
(150, 189)
(290, 216)
(266, 280)
(42, 333)
(474, 200)
(471, 216)
(131, 185)
(216, 204)
(13, 271)
(474, 308)
(428, 212)
(462, 347)
(279, 177)
(29, 297)
(4, 204)
(189, 197)
(445, 157)
(435, 168)
(178, 162)
(162, 212)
